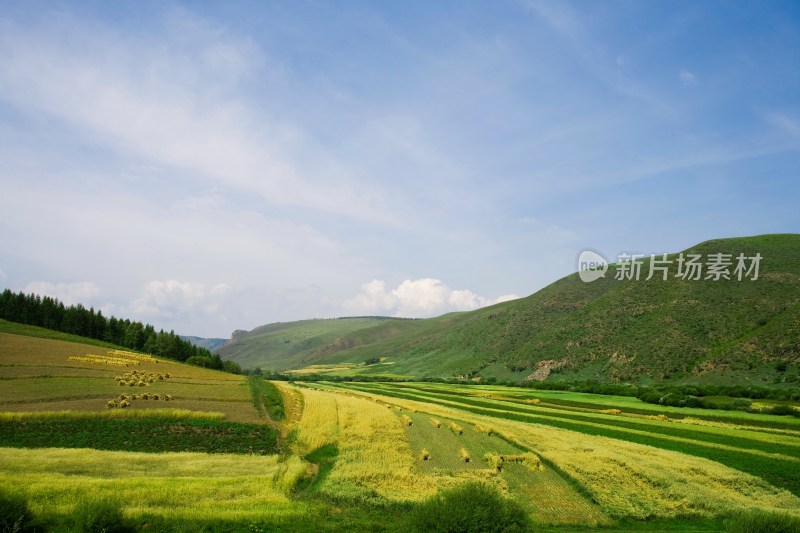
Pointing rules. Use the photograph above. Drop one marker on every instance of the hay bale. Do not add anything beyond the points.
(611, 411)
(168, 397)
(464, 454)
(145, 396)
(455, 428)
(124, 403)
(495, 460)
(530, 460)
(111, 404)
(155, 396)
(484, 429)
(407, 420)
(424, 454)
(436, 423)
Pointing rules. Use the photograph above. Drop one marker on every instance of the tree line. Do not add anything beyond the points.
(50, 313)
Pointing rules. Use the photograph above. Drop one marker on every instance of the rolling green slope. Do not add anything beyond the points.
(647, 330)
(284, 345)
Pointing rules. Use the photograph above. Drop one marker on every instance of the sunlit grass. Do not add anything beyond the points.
(629, 479)
(170, 484)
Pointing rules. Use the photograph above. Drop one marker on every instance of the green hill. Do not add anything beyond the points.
(284, 345)
(679, 330)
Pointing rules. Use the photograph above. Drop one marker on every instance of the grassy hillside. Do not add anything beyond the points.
(285, 345)
(702, 331)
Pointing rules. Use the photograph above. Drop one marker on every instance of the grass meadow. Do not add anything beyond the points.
(198, 450)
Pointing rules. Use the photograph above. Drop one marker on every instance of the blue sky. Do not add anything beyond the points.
(215, 166)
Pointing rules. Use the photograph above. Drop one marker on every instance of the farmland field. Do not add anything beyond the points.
(196, 449)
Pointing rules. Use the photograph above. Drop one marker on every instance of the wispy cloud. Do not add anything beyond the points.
(687, 78)
(175, 109)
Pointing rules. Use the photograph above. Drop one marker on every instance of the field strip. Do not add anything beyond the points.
(781, 470)
(710, 433)
(626, 403)
(665, 429)
(629, 405)
(627, 478)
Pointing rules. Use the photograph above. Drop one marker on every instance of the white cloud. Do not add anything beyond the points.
(69, 293)
(164, 299)
(424, 297)
(3, 276)
(687, 78)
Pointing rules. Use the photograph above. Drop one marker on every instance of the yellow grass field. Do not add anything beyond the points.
(628, 479)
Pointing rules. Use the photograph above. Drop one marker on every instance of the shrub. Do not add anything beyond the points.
(96, 516)
(458, 430)
(424, 454)
(436, 423)
(762, 522)
(14, 512)
(472, 507)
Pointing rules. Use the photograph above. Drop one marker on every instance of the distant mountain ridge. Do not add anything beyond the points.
(209, 344)
(680, 330)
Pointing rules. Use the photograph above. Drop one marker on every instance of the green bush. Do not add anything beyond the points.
(762, 522)
(100, 516)
(471, 507)
(14, 512)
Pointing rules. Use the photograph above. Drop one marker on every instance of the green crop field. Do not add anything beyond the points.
(171, 447)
